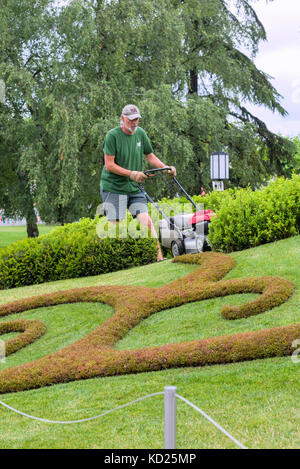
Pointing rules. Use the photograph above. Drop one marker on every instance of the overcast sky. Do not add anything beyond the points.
(280, 58)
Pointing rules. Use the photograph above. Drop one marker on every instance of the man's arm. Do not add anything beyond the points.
(112, 167)
(154, 161)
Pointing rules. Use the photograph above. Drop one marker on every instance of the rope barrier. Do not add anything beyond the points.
(170, 415)
(81, 420)
(212, 421)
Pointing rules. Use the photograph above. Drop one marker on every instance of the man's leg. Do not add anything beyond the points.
(115, 206)
(137, 205)
(145, 220)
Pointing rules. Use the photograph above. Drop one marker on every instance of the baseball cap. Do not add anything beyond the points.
(131, 111)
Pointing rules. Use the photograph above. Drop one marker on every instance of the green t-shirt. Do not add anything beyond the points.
(129, 151)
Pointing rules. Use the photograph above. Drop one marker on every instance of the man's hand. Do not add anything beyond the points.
(171, 172)
(137, 176)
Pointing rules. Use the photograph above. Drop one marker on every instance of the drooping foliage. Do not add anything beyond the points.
(70, 67)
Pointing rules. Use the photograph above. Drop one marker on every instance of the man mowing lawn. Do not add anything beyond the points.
(124, 150)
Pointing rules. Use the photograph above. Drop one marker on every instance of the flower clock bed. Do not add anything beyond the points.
(95, 354)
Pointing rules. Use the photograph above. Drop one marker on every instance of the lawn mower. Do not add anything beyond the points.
(184, 233)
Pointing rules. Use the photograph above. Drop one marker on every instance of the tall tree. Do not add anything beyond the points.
(21, 24)
(221, 40)
(79, 92)
(188, 64)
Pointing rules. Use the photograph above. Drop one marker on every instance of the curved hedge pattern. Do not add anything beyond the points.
(95, 355)
(31, 330)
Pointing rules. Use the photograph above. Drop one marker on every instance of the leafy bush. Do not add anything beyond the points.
(247, 218)
(250, 218)
(71, 251)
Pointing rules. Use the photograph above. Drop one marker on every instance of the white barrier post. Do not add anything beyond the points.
(170, 417)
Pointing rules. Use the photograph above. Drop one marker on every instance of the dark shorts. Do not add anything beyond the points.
(115, 205)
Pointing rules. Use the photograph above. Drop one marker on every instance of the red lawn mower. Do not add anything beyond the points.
(184, 233)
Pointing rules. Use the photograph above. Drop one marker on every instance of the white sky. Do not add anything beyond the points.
(280, 58)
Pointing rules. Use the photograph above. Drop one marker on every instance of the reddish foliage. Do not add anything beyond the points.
(30, 330)
(94, 355)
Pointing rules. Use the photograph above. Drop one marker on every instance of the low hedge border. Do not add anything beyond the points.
(72, 251)
(31, 330)
(94, 355)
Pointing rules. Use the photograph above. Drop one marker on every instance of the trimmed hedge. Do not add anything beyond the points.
(95, 355)
(31, 330)
(72, 251)
(251, 218)
(247, 218)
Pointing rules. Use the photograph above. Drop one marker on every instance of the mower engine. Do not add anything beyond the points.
(186, 233)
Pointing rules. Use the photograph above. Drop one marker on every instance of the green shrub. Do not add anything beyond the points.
(71, 251)
(250, 218)
(211, 200)
(247, 218)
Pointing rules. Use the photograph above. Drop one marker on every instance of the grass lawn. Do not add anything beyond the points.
(10, 234)
(257, 402)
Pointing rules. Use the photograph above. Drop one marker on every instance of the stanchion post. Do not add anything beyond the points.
(170, 417)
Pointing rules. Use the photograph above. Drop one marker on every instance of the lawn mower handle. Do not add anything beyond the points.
(154, 204)
(150, 172)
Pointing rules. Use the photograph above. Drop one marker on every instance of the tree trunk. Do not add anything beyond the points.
(193, 84)
(31, 224)
(61, 219)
